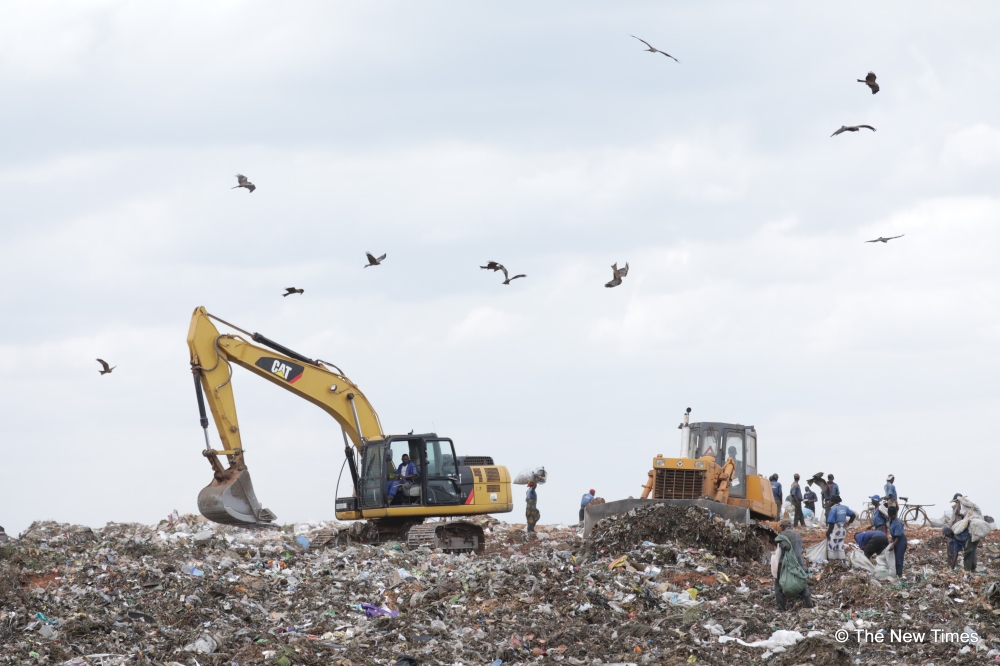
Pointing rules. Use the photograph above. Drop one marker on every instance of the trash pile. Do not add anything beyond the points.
(689, 526)
(653, 587)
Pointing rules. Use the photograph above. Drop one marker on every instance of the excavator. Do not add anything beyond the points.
(716, 469)
(444, 485)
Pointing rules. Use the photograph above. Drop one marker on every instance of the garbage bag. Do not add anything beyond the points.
(775, 560)
(979, 528)
(536, 474)
(885, 564)
(793, 577)
(816, 553)
(858, 560)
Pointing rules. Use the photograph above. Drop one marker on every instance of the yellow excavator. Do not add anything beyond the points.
(716, 470)
(437, 483)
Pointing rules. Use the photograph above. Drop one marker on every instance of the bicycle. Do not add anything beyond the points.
(908, 513)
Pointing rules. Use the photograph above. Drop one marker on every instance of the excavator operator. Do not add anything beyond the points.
(405, 473)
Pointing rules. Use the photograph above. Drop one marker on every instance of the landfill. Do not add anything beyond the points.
(658, 585)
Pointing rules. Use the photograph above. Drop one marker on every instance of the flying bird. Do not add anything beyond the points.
(107, 370)
(882, 239)
(372, 261)
(870, 82)
(508, 279)
(619, 273)
(653, 49)
(292, 290)
(492, 266)
(243, 182)
(851, 128)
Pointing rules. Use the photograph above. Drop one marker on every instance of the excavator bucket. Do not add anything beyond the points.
(233, 502)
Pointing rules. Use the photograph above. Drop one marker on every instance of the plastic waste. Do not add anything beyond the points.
(192, 570)
(303, 541)
(536, 474)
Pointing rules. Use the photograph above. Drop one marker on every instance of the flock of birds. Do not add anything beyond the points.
(617, 273)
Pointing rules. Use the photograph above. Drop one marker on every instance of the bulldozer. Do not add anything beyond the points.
(716, 469)
(395, 501)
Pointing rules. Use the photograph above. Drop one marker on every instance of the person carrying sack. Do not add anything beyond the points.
(791, 580)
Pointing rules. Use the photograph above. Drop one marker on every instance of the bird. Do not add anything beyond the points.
(292, 290)
(653, 49)
(851, 128)
(492, 266)
(243, 182)
(870, 82)
(619, 273)
(107, 370)
(882, 239)
(372, 261)
(507, 279)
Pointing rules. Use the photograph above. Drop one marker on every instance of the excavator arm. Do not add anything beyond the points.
(230, 498)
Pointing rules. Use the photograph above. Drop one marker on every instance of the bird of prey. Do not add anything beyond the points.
(619, 273)
(372, 261)
(492, 266)
(508, 279)
(107, 370)
(851, 128)
(243, 182)
(292, 290)
(882, 239)
(653, 49)
(870, 82)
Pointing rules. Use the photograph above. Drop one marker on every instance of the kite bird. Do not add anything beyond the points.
(851, 128)
(372, 261)
(508, 279)
(619, 273)
(653, 49)
(107, 370)
(243, 182)
(492, 266)
(292, 290)
(870, 82)
(882, 239)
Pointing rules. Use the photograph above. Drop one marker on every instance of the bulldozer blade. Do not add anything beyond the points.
(233, 502)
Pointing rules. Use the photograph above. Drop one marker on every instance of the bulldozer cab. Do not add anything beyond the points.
(723, 441)
(436, 481)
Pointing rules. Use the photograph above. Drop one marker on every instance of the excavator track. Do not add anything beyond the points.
(451, 537)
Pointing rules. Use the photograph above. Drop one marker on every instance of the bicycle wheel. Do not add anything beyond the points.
(916, 516)
(866, 517)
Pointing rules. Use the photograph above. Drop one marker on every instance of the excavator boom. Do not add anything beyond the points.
(230, 498)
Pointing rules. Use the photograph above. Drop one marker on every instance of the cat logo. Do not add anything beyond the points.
(290, 372)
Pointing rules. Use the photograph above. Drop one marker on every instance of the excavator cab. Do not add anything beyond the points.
(437, 483)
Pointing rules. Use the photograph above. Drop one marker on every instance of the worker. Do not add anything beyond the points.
(970, 544)
(587, 498)
(879, 520)
(956, 544)
(837, 520)
(405, 473)
(776, 489)
(795, 492)
(824, 490)
(3, 535)
(833, 487)
(809, 499)
(531, 510)
(872, 542)
(790, 543)
(897, 534)
(891, 497)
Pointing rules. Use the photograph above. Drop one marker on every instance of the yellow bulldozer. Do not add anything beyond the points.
(716, 469)
(431, 481)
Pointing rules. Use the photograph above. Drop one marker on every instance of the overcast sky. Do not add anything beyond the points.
(540, 135)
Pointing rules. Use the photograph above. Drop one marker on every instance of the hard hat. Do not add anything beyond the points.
(891, 478)
(592, 491)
